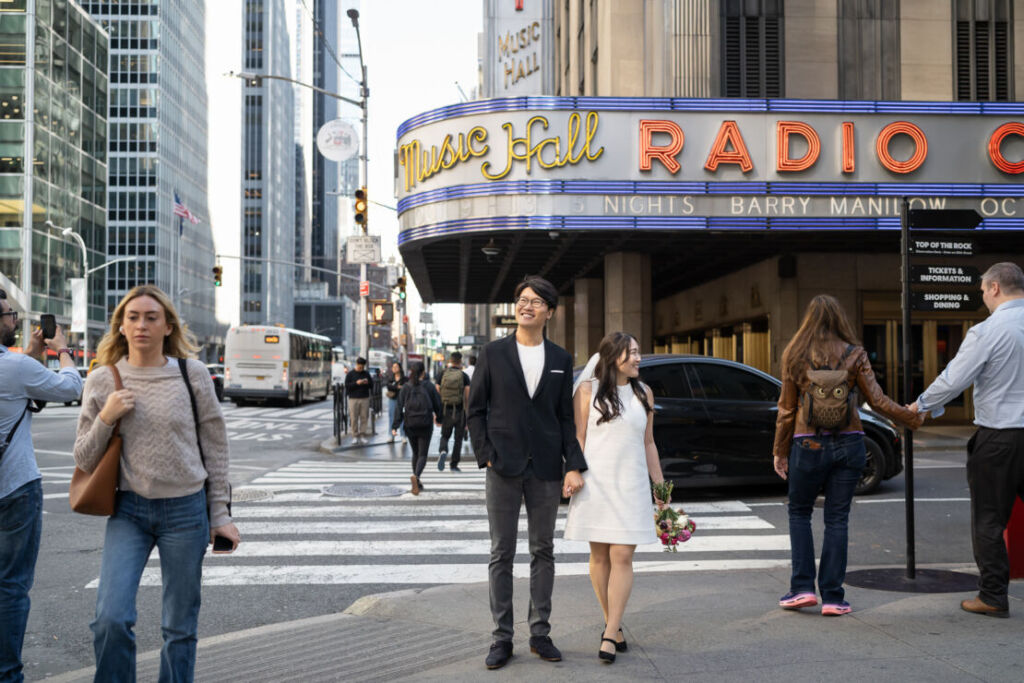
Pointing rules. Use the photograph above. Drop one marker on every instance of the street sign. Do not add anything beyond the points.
(363, 249)
(945, 275)
(503, 320)
(364, 288)
(78, 304)
(427, 317)
(337, 140)
(946, 301)
(943, 219)
(392, 276)
(472, 340)
(941, 247)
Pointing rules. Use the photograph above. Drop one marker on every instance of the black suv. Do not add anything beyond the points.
(714, 424)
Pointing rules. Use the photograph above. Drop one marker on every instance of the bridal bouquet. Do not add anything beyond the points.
(672, 526)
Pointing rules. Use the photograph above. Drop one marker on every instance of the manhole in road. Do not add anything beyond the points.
(362, 491)
(250, 495)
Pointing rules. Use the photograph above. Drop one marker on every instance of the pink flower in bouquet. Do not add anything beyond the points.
(684, 535)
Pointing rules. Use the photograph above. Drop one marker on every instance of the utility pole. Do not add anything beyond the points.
(364, 94)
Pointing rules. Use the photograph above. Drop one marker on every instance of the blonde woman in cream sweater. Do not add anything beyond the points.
(167, 498)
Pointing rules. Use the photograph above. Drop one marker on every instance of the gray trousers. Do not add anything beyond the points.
(505, 495)
(359, 416)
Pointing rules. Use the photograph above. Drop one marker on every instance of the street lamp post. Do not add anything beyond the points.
(364, 95)
(68, 232)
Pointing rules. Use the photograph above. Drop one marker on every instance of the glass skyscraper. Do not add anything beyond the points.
(158, 148)
(53, 103)
(268, 165)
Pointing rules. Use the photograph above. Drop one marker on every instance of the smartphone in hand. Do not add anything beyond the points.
(223, 544)
(49, 324)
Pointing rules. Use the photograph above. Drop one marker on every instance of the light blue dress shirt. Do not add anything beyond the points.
(992, 357)
(22, 378)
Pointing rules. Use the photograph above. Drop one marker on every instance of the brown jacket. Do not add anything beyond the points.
(791, 421)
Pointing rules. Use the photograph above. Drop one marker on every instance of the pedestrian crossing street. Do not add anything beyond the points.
(299, 535)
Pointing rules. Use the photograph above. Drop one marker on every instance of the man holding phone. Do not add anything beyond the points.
(23, 379)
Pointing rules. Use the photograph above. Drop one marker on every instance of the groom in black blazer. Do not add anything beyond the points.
(521, 424)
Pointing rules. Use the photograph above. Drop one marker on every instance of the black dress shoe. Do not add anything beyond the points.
(620, 645)
(606, 657)
(501, 651)
(545, 649)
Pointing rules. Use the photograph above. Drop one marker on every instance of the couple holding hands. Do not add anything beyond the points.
(526, 419)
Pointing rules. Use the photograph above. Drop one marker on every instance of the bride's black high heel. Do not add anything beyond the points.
(606, 657)
(619, 646)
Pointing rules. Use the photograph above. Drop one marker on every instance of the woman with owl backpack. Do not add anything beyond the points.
(819, 445)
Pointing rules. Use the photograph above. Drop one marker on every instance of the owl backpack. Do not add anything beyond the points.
(828, 401)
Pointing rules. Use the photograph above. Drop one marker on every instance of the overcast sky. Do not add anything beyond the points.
(415, 51)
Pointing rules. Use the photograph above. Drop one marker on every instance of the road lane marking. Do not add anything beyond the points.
(254, 509)
(916, 500)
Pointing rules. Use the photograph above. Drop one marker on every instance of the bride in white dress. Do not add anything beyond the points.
(612, 510)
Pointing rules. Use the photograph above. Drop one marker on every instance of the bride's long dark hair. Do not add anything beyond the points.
(606, 398)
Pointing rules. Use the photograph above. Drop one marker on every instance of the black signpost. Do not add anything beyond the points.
(931, 219)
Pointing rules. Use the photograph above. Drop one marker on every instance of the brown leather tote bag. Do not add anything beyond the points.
(94, 493)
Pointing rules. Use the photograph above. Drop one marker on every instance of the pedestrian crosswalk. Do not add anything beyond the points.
(300, 535)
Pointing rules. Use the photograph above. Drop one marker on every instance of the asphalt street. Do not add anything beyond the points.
(307, 554)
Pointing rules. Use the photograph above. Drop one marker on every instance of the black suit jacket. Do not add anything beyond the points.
(508, 428)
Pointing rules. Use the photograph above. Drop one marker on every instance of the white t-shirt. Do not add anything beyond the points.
(469, 370)
(532, 360)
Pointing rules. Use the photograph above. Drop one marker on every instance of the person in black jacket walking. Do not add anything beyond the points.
(522, 429)
(419, 408)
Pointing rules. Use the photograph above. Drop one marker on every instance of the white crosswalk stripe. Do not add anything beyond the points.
(301, 536)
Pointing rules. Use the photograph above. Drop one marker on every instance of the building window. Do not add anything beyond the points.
(983, 50)
(752, 48)
(253, 169)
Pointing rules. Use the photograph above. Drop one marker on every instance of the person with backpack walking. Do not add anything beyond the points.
(454, 391)
(819, 445)
(173, 492)
(419, 409)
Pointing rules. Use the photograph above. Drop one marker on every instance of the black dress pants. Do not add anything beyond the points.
(995, 476)
(454, 421)
(419, 443)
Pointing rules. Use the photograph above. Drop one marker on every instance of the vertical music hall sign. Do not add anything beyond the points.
(518, 48)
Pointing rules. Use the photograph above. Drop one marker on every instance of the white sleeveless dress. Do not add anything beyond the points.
(614, 505)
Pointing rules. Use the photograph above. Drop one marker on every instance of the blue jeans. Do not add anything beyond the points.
(832, 464)
(179, 527)
(21, 525)
(392, 409)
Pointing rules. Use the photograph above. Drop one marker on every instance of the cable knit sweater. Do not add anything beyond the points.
(160, 457)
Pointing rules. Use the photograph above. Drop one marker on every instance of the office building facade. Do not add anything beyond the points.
(268, 183)
(53, 161)
(158, 149)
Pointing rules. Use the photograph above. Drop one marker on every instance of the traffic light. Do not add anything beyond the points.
(401, 288)
(382, 312)
(217, 273)
(360, 207)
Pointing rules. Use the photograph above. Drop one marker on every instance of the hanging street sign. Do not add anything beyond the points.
(946, 301)
(364, 288)
(945, 275)
(941, 246)
(943, 219)
(503, 320)
(363, 249)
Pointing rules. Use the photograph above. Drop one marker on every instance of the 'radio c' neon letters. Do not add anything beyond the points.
(996, 154)
(920, 147)
(849, 156)
(666, 154)
(729, 133)
(783, 161)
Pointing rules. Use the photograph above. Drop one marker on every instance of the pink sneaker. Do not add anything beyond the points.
(794, 600)
(835, 609)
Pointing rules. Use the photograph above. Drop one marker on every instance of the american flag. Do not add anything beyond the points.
(182, 211)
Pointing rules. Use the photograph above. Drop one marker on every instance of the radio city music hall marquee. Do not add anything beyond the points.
(801, 162)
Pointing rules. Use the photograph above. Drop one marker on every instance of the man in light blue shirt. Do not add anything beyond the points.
(992, 358)
(22, 378)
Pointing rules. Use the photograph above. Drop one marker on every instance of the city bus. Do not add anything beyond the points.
(265, 362)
